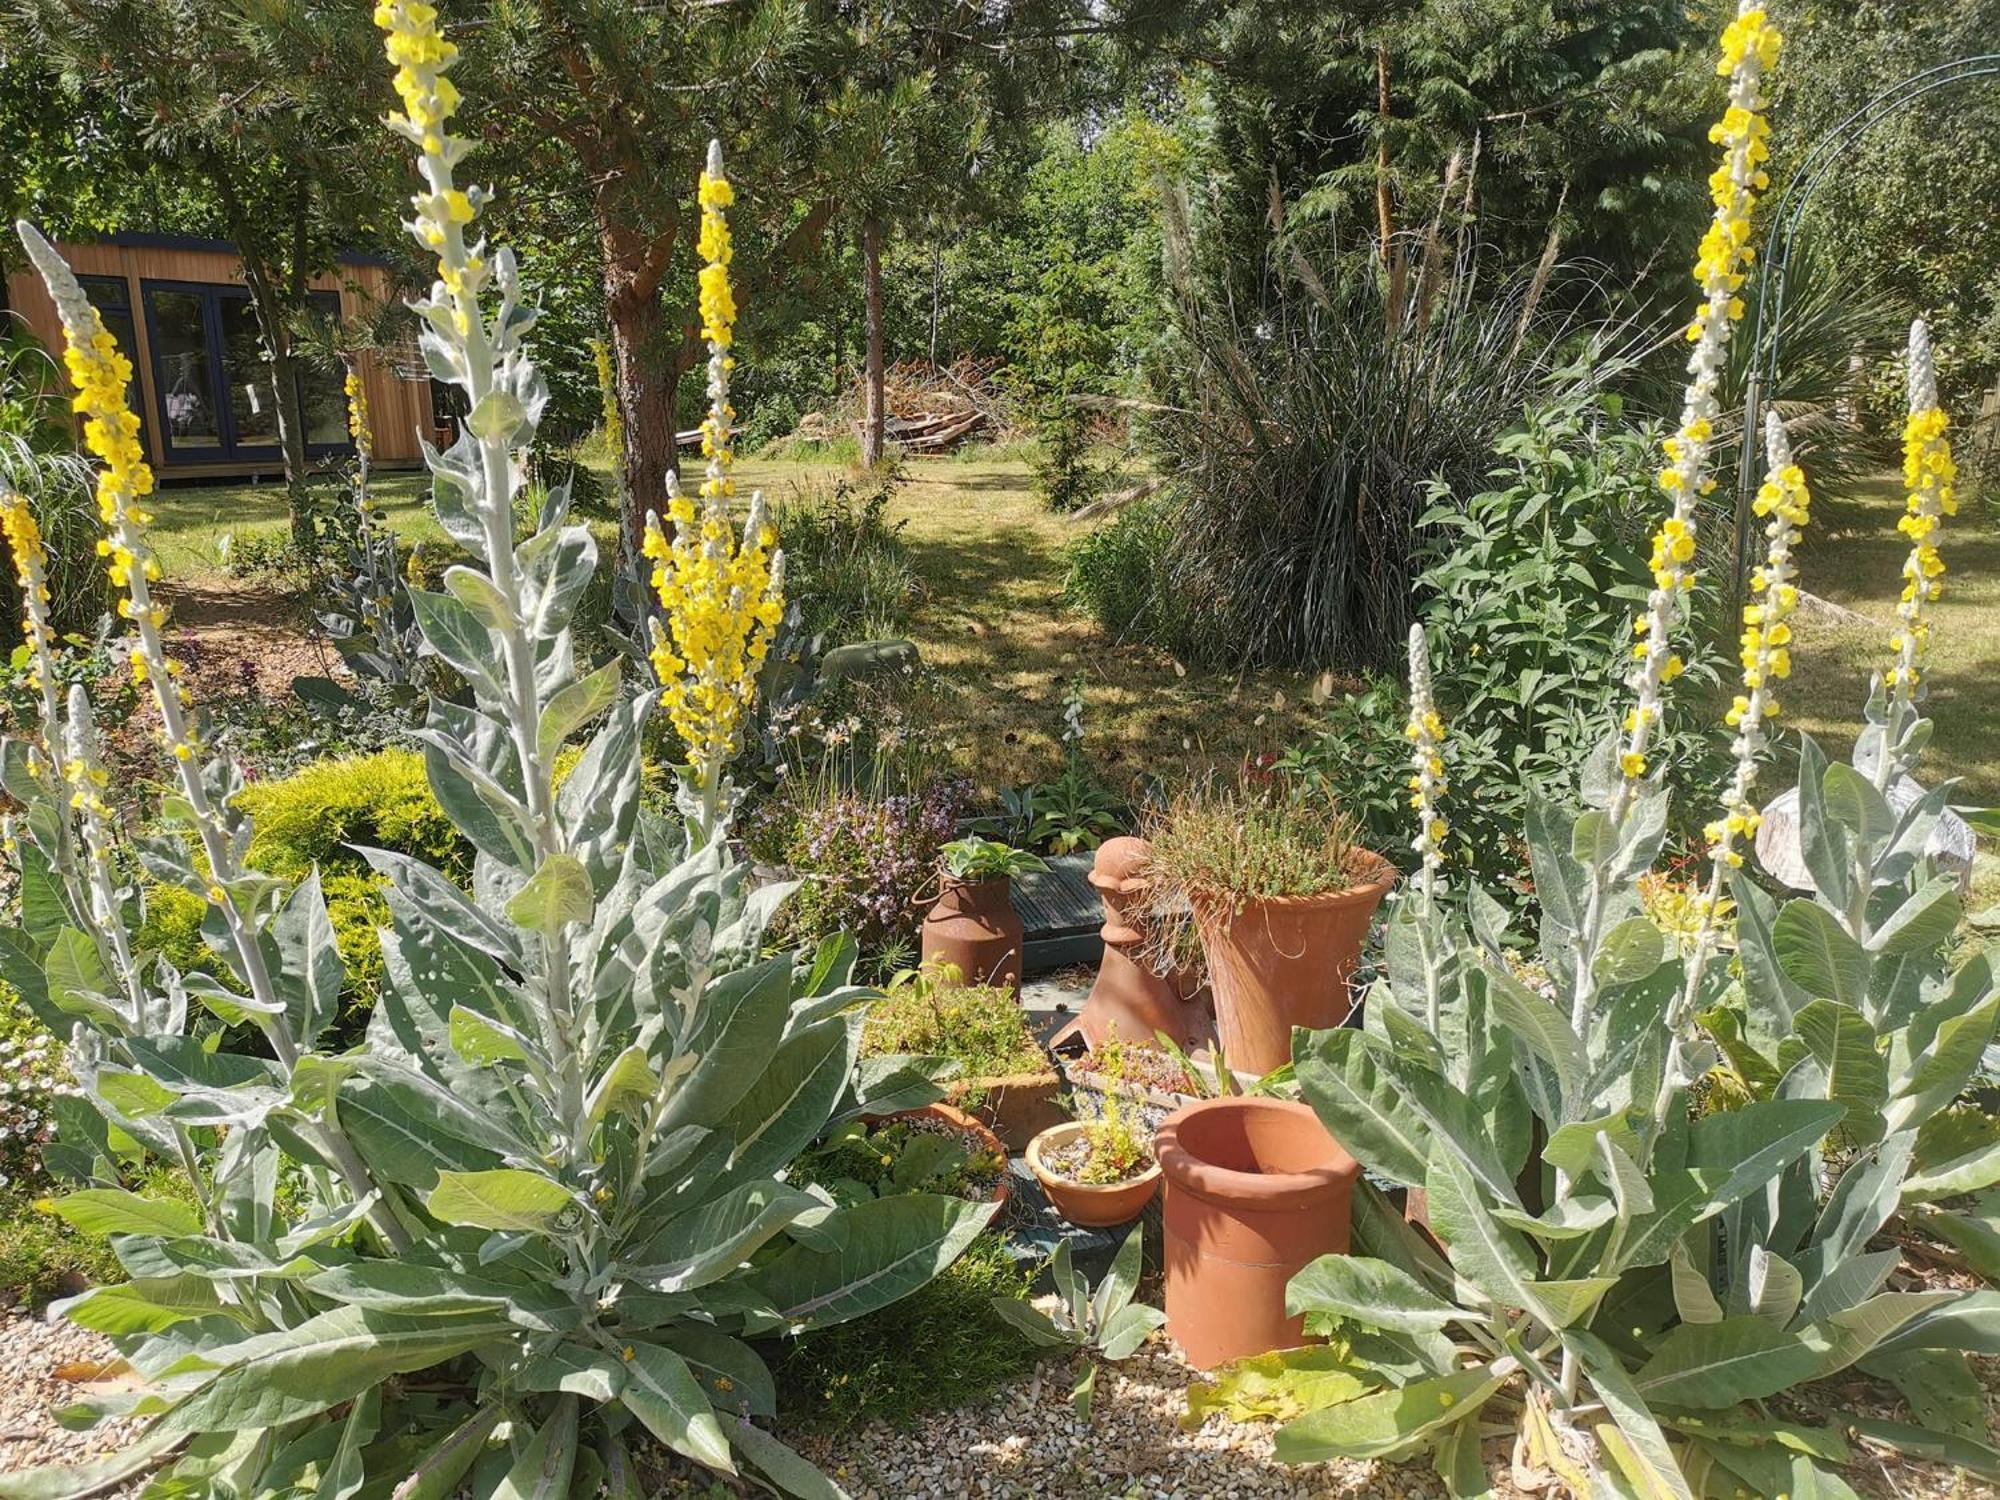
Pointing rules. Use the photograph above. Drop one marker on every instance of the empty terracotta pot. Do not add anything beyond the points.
(1256, 1189)
(1092, 1205)
(1285, 962)
(974, 927)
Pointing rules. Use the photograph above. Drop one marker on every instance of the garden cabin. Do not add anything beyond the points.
(179, 308)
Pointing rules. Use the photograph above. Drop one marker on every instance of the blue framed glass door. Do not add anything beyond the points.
(215, 396)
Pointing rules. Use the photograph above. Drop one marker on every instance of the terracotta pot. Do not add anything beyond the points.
(1285, 962)
(1256, 1189)
(959, 1120)
(1017, 1107)
(974, 927)
(1089, 1204)
(1128, 999)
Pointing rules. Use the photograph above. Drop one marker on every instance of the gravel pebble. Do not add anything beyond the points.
(32, 1350)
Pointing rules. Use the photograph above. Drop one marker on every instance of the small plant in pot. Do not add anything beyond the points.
(974, 926)
(1282, 892)
(1004, 1077)
(1098, 1171)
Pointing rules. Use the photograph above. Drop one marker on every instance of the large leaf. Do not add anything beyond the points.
(295, 1372)
(309, 972)
(662, 1392)
(1279, 1386)
(1841, 1044)
(1652, 1469)
(104, 1211)
(793, 1096)
(888, 1247)
(1739, 1151)
(1372, 1292)
(1946, 1066)
(1819, 956)
(504, 1198)
(542, 1471)
(1712, 1365)
(1383, 1423)
(1340, 1076)
(714, 1239)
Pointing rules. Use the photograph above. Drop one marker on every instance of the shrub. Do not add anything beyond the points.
(1117, 574)
(847, 569)
(1533, 583)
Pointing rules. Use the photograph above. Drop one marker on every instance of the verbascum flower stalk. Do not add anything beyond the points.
(101, 377)
(1427, 784)
(723, 594)
(31, 577)
(84, 772)
(357, 419)
(1786, 506)
(1929, 477)
(1750, 46)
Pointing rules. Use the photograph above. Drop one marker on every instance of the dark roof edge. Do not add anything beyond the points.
(137, 240)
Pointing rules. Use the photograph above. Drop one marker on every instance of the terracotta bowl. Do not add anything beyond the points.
(1093, 1205)
(965, 1124)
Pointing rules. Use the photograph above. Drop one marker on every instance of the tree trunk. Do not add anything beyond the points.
(266, 306)
(644, 368)
(937, 296)
(874, 420)
(1385, 217)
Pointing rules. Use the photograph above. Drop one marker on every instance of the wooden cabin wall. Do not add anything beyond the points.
(399, 409)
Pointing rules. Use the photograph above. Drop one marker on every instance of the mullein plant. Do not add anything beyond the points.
(365, 606)
(1627, 1282)
(553, 1177)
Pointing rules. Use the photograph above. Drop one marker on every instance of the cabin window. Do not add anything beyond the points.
(214, 391)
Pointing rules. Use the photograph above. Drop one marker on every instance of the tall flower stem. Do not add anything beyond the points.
(1750, 46)
(101, 376)
(1929, 478)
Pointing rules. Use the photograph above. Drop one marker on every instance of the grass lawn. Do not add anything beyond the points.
(1853, 557)
(993, 620)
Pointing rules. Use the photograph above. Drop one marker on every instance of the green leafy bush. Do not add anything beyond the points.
(1117, 575)
(847, 568)
(1533, 583)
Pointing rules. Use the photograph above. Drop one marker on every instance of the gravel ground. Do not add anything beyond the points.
(1026, 1442)
(42, 1365)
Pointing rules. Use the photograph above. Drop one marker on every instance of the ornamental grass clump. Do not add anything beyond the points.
(535, 1218)
(1231, 842)
(1633, 1278)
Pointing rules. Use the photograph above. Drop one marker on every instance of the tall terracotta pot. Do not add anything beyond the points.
(974, 927)
(1128, 999)
(1256, 1189)
(1285, 962)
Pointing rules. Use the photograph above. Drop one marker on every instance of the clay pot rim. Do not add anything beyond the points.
(1371, 884)
(1033, 1156)
(971, 1125)
(1263, 1189)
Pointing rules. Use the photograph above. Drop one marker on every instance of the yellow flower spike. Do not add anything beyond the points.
(1749, 47)
(722, 591)
(1425, 732)
(1766, 636)
(1928, 475)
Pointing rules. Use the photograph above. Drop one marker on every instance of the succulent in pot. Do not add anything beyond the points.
(1098, 1171)
(973, 925)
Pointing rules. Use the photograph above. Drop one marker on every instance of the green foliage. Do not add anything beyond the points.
(910, 1154)
(871, 1370)
(1117, 574)
(1303, 431)
(847, 569)
(1606, 1243)
(931, 1012)
(553, 1171)
(975, 858)
(42, 1258)
(1107, 1323)
(1533, 583)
